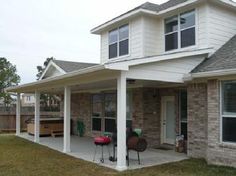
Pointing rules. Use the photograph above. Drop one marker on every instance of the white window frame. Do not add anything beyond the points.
(179, 30)
(118, 42)
(222, 113)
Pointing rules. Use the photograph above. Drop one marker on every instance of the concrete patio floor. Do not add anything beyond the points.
(84, 148)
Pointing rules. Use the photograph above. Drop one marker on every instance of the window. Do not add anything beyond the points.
(119, 42)
(28, 98)
(129, 109)
(183, 114)
(180, 31)
(229, 111)
(97, 112)
(110, 112)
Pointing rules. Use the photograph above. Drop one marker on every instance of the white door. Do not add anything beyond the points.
(168, 120)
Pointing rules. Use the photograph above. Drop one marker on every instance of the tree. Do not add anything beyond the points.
(8, 77)
(42, 68)
(47, 100)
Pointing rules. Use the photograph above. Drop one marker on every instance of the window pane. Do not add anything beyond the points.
(129, 124)
(188, 37)
(123, 32)
(229, 98)
(229, 129)
(171, 24)
(184, 130)
(110, 125)
(113, 51)
(124, 47)
(96, 124)
(129, 106)
(171, 41)
(183, 106)
(187, 19)
(113, 36)
(110, 105)
(97, 105)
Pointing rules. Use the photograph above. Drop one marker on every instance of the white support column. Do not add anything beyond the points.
(121, 122)
(67, 109)
(37, 117)
(18, 107)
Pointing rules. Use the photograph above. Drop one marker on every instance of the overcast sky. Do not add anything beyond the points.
(32, 30)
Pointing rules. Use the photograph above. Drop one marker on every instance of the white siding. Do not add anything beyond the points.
(52, 72)
(222, 25)
(214, 26)
(135, 39)
(104, 47)
(202, 32)
(150, 36)
(169, 70)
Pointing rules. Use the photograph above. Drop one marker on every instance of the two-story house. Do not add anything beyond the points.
(166, 69)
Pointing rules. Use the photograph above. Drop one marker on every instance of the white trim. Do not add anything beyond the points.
(51, 63)
(121, 122)
(164, 99)
(56, 78)
(99, 29)
(67, 119)
(215, 73)
(125, 64)
(37, 117)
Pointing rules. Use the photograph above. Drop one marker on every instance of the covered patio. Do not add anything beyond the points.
(83, 148)
(93, 79)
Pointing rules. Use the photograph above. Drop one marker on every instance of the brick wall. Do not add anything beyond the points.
(218, 153)
(197, 120)
(146, 112)
(151, 116)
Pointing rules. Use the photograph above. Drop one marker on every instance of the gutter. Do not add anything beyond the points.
(209, 74)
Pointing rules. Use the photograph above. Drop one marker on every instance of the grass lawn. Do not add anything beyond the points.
(19, 157)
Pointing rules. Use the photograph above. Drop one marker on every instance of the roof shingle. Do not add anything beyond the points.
(69, 66)
(222, 59)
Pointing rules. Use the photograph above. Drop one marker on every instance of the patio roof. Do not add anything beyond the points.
(73, 78)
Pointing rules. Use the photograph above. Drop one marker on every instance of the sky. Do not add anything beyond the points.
(32, 30)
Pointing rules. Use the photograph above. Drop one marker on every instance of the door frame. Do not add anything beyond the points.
(163, 108)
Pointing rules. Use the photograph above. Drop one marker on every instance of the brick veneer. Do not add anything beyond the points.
(197, 120)
(146, 112)
(217, 153)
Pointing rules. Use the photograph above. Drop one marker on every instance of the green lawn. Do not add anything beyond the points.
(19, 157)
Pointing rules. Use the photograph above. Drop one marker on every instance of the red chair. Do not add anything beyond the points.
(101, 141)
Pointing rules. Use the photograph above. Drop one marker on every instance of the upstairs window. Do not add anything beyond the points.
(119, 42)
(180, 31)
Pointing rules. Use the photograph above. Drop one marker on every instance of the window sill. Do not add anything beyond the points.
(118, 58)
(229, 145)
(181, 49)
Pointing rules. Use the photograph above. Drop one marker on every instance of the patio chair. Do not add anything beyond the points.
(137, 144)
